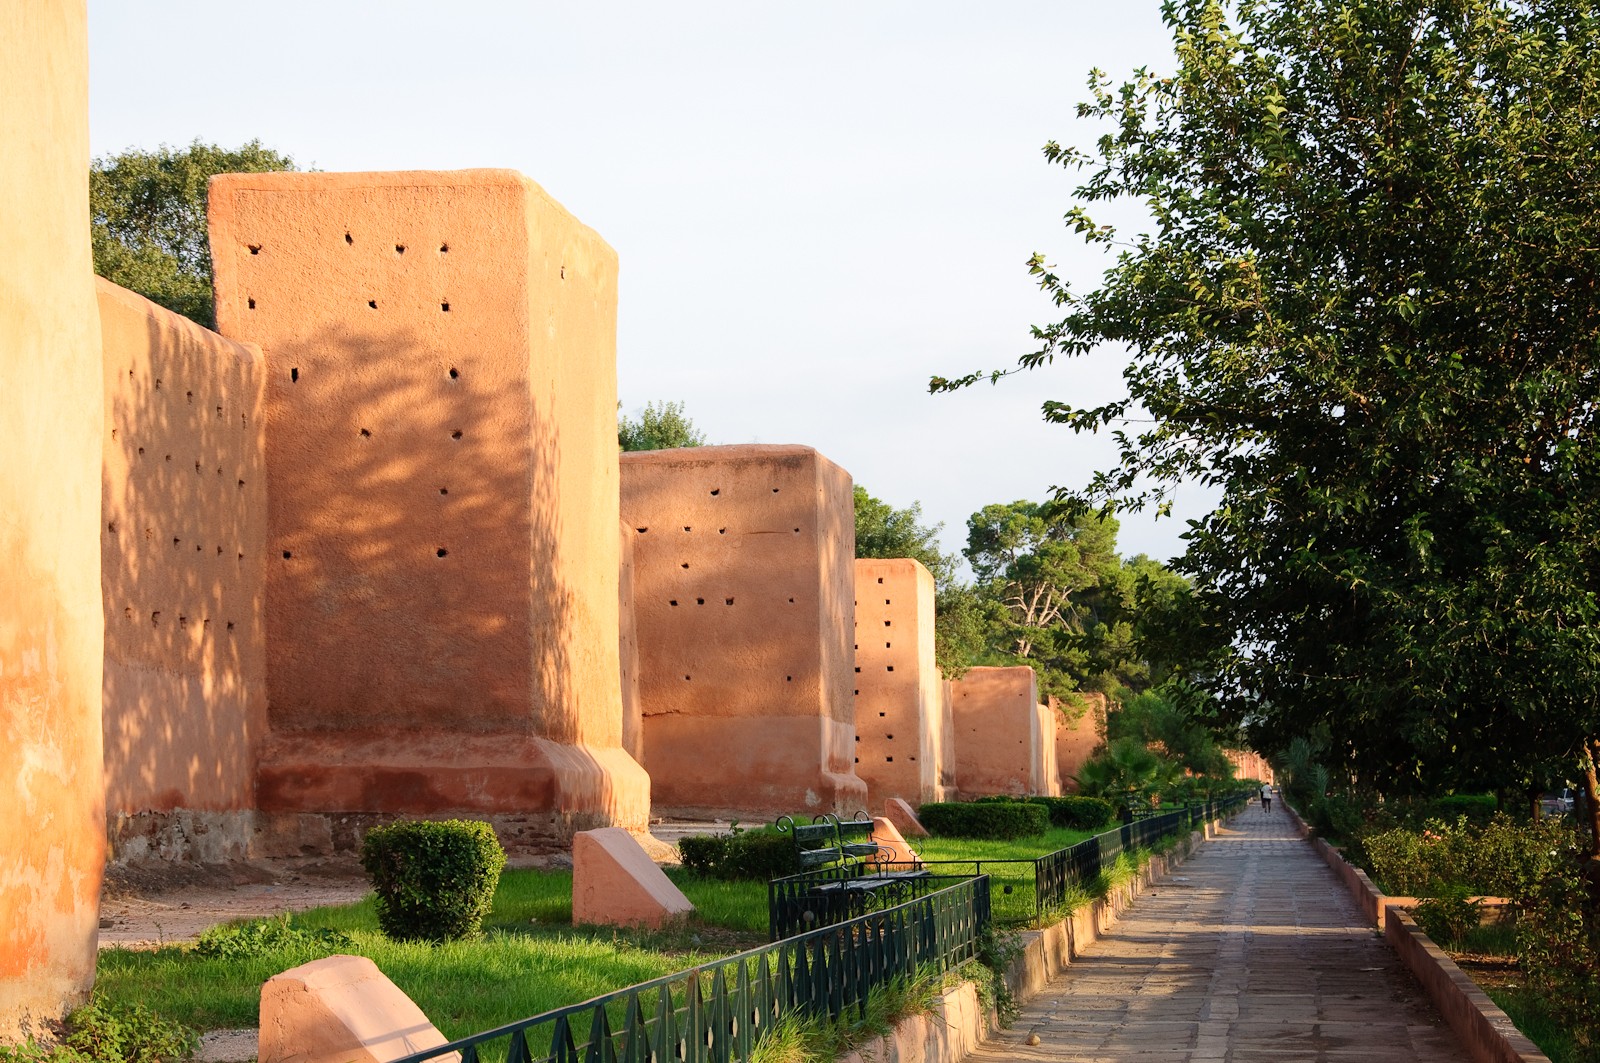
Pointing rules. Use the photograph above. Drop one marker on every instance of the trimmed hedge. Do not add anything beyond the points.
(1077, 813)
(435, 880)
(985, 819)
(760, 854)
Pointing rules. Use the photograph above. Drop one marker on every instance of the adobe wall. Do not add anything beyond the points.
(52, 830)
(442, 597)
(1046, 778)
(997, 732)
(1080, 731)
(744, 563)
(628, 648)
(1248, 764)
(183, 540)
(899, 694)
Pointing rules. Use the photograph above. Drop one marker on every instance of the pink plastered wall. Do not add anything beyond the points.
(442, 578)
(183, 530)
(1080, 732)
(899, 697)
(52, 811)
(743, 605)
(998, 733)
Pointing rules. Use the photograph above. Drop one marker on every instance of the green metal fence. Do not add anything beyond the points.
(1021, 892)
(718, 1012)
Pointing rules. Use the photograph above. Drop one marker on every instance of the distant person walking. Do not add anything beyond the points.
(1266, 798)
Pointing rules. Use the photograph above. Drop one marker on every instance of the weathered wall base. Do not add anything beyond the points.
(955, 1026)
(181, 836)
(776, 777)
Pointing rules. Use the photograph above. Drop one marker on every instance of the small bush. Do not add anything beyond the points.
(1558, 944)
(263, 937)
(1077, 813)
(759, 854)
(111, 1033)
(435, 880)
(1450, 916)
(975, 819)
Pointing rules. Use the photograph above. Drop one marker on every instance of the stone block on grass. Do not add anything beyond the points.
(615, 883)
(904, 818)
(341, 1009)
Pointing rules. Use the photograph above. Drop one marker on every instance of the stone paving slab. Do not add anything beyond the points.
(1251, 953)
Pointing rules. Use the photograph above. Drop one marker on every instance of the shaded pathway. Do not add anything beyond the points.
(1250, 953)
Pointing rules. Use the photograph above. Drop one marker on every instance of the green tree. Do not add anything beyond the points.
(147, 215)
(1365, 312)
(661, 426)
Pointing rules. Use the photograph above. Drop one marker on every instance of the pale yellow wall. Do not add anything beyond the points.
(183, 540)
(51, 793)
(442, 579)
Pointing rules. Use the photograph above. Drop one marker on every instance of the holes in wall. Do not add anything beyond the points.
(444, 249)
(888, 760)
(889, 737)
(858, 668)
(241, 485)
(641, 531)
(169, 457)
(158, 383)
(699, 601)
(788, 679)
(890, 668)
(441, 552)
(219, 551)
(255, 249)
(444, 490)
(349, 239)
(886, 601)
(294, 375)
(684, 565)
(727, 601)
(791, 601)
(399, 249)
(230, 625)
(715, 491)
(455, 374)
(141, 452)
(685, 679)
(887, 646)
(797, 531)
(175, 542)
(127, 614)
(366, 433)
(155, 618)
(373, 303)
(183, 621)
(886, 623)
(563, 271)
(189, 397)
(673, 602)
(444, 308)
(882, 714)
(880, 579)
(775, 490)
(197, 468)
(112, 527)
(287, 555)
(722, 531)
(686, 527)
(456, 434)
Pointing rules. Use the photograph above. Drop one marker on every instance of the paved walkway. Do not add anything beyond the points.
(1250, 953)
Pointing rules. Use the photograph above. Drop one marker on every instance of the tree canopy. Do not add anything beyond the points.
(659, 426)
(1365, 311)
(147, 212)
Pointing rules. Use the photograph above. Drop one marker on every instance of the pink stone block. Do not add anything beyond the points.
(614, 882)
(889, 839)
(341, 1010)
(904, 819)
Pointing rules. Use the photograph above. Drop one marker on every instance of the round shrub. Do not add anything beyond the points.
(984, 819)
(435, 880)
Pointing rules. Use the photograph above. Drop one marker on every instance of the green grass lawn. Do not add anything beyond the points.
(529, 960)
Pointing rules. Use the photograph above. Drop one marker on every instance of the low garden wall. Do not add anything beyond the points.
(1486, 1032)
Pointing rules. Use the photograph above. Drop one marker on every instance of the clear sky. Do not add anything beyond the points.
(816, 206)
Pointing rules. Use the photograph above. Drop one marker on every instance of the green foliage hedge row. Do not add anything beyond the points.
(435, 880)
(760, 854)
(1000, 819)
(1077, 813)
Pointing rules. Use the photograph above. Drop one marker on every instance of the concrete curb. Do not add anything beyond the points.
(1486, 1032)
(957, 1024)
